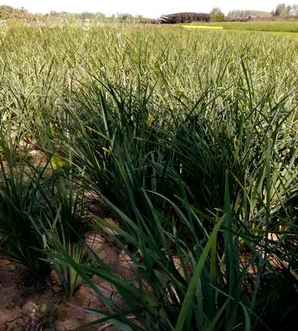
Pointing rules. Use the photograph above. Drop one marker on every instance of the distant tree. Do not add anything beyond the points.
(140, 19)
(124, 17)
(100, 15)
(286, 11)
(7, 12)
(282, 10)
(293, 11)
(217, 15)
(86, 15)
(54, 13)
(248, 13)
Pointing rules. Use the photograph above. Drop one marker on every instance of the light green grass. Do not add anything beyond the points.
(274, 26)
(283, 29)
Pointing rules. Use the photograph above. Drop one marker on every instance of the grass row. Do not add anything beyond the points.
(189, 141)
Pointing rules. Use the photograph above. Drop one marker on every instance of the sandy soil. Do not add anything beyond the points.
(45, 308)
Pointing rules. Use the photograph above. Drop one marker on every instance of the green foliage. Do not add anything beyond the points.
(56, 241)
(282, 10)
(244, 14)
(217, 15)
(186, 287)
(189, 138)
(7, 12)
(21, 202)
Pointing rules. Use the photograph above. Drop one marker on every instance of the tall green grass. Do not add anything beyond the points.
(189, 139)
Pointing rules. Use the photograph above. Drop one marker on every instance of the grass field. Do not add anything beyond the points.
(279, 26)
(186, 141)
(282, 28)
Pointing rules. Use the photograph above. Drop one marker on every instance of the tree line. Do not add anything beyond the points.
(282, 10)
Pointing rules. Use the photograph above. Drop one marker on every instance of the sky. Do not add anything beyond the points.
(151, 8)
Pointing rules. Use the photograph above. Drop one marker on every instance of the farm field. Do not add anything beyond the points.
(148, 178)
(278, 26)
(282, 29)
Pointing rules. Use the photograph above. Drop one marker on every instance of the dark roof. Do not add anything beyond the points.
(186, 14)
(184, 17)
